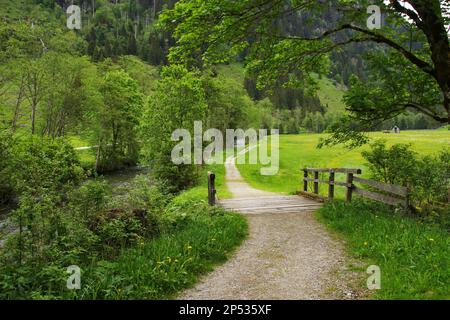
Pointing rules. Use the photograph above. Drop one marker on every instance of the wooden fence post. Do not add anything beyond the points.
(316, 182)
(331, 186)
(305, 182)
(407, 201)
(349, 186)
(211, 189)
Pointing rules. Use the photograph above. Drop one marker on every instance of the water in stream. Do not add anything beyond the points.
(117, 180)
(122, 178)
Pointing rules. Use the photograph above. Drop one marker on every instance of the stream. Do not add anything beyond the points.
(117, 180)
(123, 178)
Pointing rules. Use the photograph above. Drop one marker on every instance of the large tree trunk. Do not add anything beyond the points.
(33, 117)
(434, 28)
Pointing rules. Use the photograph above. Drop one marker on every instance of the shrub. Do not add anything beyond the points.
(149, 194)
(89, 199)
(44, 163)
(119, 228)
(396, 165)
(428, 178)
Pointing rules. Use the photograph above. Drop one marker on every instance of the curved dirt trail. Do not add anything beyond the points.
(288, 254)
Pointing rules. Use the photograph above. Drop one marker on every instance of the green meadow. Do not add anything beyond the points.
(300, 151)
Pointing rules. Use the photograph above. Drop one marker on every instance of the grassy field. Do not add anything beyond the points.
(87, 157)
(330, 95)
(414, 257)
(299, 151)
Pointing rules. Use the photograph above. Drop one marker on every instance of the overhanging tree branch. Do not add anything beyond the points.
(410, 13)
(426, 111)
(423, 65)
(374, 37)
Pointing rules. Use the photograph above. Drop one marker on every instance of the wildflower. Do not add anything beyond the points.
(365, 243)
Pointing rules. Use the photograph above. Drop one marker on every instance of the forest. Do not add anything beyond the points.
(87, 116)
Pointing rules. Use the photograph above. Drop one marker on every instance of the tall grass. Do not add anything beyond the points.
(197, 238)
(162, 267)
(414, 257)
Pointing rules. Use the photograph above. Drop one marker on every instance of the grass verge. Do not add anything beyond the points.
(414, 257)
(161, 268)
(197, 238)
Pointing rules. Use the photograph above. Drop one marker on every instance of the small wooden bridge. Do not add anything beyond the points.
(248, 200)
(270, 204)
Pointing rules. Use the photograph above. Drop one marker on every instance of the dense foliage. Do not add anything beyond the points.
(401, 78)
(60, 222)
(428, 177)
(53, 90)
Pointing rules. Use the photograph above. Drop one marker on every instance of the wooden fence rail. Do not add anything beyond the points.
(391, 194)
(211, 188)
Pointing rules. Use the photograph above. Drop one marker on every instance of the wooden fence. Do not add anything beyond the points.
(391, 194)
(211, 188)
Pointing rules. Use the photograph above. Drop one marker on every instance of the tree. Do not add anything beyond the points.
(118, 121)
(73, 95)
(178, 101)
(228, 102)
(22, 72)
(216, 31)
(43, 69)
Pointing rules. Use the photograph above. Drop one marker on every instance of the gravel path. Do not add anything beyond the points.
(286, 256)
